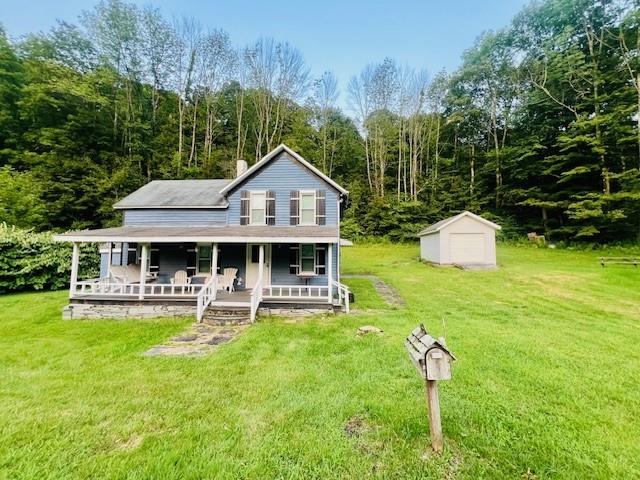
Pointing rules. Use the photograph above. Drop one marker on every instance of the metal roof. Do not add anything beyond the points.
(436, 227)
(237, 234)
(177, 194)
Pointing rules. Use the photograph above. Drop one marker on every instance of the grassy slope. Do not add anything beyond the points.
(546, 379)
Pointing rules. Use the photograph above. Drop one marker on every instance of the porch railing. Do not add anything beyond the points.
(296, 292)
(206, 295)
(343, 295)
(105, 286)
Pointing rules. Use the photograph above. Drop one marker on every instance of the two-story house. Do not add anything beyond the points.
(269, 237)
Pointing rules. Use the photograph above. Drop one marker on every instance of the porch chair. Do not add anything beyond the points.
(227, 280)
(180, 278)
(124, 273)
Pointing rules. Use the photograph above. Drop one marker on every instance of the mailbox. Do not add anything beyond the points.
(431, 357)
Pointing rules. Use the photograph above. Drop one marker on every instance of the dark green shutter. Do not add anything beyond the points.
(270, 214)
(244, 207)
(321, 207)
(294, 207)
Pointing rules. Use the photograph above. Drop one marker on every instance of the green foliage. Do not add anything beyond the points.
(34, 261)
(540, 124)
(20, 198)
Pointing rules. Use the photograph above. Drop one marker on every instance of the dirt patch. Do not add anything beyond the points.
(356, 426)
(133, 442)
(389, 294)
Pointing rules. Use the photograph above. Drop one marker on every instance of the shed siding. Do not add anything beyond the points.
(430, 247)
(169, 217)
(282, 175)
(467, 225)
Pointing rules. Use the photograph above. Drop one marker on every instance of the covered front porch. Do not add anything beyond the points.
(213, 273)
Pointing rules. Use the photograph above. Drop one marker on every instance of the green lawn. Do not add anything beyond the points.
(546, 381)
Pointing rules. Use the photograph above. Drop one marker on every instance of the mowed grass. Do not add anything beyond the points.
(546, 382)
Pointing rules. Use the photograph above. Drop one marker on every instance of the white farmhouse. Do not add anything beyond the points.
(464, 239)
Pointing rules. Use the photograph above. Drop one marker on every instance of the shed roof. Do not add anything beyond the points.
(238, 234)
(436, 227)
(177, 194)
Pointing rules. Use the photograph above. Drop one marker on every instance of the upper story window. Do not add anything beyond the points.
(257, 207)
(258, 203)
(308, 207)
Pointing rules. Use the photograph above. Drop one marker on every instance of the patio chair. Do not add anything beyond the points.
(227, 280)
(124, 273)
(180, 278)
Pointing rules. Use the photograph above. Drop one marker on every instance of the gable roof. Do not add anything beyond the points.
(270, 156)
(177, 194)
(436, 227)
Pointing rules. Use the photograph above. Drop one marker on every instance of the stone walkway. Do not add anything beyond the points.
(389, 294)
(200, 339)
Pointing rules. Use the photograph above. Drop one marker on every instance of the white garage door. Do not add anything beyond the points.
(467, 247)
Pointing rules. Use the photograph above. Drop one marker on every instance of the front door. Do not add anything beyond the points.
(253, 262)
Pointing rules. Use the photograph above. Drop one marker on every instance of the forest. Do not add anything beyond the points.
(538, 129)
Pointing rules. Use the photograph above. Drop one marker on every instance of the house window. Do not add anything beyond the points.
(258, 207)
(308, 208)
(307, 259)
(204, 258)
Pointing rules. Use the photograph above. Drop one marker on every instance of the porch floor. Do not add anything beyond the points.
(240, 298)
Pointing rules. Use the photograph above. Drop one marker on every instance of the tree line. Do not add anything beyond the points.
(539, 128)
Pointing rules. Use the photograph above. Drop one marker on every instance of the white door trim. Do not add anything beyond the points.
(252, 269)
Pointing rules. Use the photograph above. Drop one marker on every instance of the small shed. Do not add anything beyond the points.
(464, 239)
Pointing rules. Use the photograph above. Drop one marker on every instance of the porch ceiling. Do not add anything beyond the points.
(228, 234)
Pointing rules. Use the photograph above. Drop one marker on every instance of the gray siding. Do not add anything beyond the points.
(175, 217)
(104, 264)
(235, 256)
(282, 175)
(280, 268)
(172, 257)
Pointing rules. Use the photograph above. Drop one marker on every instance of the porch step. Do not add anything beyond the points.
(219, 315)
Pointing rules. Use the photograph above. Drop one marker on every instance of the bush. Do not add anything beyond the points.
(33, 261)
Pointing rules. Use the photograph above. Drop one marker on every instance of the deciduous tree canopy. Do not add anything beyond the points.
(539, 127)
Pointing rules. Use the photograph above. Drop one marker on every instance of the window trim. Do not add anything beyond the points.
(301, 271)
(301, 194)
(298, 266)
(264, 209)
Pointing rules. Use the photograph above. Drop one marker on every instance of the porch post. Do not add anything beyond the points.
(75, 260)
(214, 263)
(109, 259)
(143, 269)
(330, 271)
(261, 260)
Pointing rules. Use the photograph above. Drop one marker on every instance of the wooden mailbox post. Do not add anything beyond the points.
(433, 361)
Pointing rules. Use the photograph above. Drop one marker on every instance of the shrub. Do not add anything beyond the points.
(33, 261)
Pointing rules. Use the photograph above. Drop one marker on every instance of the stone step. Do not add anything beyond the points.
(227, 316)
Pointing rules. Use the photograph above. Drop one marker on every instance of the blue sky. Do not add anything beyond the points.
(342, 36)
